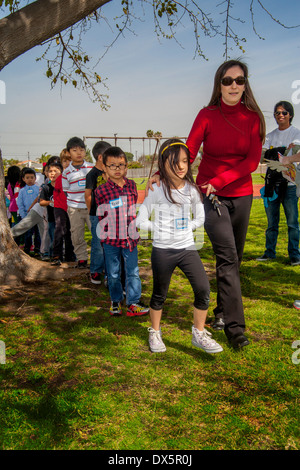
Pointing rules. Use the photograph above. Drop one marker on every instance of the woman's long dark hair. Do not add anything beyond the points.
(170, 153)
(247, 98)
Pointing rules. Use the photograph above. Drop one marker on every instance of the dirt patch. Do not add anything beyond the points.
(15, 296)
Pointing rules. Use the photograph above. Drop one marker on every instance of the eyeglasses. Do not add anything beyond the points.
(284, 113)
(227, 81)
(115, 167)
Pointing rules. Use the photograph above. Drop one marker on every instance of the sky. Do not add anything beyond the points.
(152, 84)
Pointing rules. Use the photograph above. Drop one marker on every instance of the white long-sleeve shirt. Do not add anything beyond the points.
(173, 224)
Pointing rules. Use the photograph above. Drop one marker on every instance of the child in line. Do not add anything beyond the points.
(28, 193)
(46, 198)
(62, 244)
(13, 176)
(7, 200)
(116, 200)
(37, 215)
(93, 179)
(73, 182)
(45, 238)
(173, 242)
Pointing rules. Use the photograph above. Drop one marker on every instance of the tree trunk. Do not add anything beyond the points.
(38, 21)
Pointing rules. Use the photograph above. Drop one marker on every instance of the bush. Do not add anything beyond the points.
(135, 165)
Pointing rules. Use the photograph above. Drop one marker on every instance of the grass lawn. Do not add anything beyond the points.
(77, 379)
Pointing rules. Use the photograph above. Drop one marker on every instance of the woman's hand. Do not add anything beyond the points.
(285, 160)
(155, 179)
(209, 189)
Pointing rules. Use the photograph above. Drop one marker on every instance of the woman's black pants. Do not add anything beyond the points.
(227, 233)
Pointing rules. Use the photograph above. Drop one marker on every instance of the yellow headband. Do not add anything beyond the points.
(174, 143)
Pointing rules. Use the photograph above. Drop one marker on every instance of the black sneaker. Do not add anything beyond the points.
(82, 264)
(56, 262)
(95, 278)
(295, 261)
(264, 257)
(115, 309)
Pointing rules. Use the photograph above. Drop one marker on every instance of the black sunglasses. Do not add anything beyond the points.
(284, 113)
(227, 81)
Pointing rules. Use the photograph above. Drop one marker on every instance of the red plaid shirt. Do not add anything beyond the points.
(117, 214)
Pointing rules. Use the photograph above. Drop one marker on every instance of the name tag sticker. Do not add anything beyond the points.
(115, 203)
(181, 223)
(29, 191)
(81, 183)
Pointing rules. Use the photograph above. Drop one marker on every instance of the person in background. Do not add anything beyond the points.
(285, 136)
(46, 198)
(27, 195)
(45, 238)
(62, 243)
(94, 178)
(13, 176)
(73, 183)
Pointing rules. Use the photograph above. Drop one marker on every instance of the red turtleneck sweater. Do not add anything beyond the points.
(231, 148)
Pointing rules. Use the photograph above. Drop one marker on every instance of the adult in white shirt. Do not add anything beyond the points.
(285, 135)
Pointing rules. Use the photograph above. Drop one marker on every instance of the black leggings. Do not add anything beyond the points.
(164, 261)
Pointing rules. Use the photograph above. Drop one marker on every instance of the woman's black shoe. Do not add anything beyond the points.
(239, 341)
(218, 324)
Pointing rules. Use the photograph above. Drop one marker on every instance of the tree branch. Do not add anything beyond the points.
(39, 21)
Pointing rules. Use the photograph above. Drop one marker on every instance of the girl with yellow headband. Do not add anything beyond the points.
(173, 201)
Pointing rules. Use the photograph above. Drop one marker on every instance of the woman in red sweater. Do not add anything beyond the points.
(232, 130)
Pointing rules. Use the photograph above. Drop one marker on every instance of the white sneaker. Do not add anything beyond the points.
(155, 341)
(203, 340)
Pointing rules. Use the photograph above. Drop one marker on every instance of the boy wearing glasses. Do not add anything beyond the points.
(285, 136)
(116, 200)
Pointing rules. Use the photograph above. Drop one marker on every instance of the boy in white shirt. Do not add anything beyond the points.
(73, 182)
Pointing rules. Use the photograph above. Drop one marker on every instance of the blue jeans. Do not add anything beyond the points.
(133, 285)
(28, 239)
(97, 256)
(290, 206)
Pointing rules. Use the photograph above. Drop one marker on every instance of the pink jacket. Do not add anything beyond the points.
(13, 207)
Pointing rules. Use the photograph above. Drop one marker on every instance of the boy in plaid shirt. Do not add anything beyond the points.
(116, 200)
